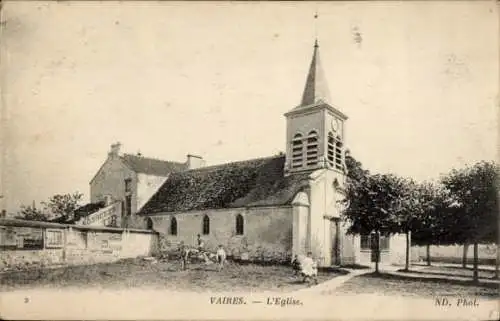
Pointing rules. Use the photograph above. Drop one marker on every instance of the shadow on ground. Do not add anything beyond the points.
(486, 274)
(402, 285)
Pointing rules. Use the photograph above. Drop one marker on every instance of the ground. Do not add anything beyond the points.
(449, 270)
(137, 273)
(419, 284)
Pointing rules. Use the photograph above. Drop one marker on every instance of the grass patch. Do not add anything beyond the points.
(136, 273)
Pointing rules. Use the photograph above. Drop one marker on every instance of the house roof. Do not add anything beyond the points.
(151, 166)
(255, 182)
(80, 212)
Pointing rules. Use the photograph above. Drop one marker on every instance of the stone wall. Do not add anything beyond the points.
(76, 245)
(267, 232)
(487, 253)
(395, 255)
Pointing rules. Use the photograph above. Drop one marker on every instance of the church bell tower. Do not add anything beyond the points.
(315, 130)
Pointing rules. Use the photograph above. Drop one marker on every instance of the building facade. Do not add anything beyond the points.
(131, 180)
(275, 207)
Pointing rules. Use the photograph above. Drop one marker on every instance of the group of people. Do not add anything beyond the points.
(307, 268)
(200, 249)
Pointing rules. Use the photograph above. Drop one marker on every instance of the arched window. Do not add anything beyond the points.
(206, 225)
(312, 148)
(240, 224)
(173, 226)
(297, 152)
(149, 223)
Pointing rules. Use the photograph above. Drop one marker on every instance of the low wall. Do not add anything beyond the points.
(487, 253)
(25, 244)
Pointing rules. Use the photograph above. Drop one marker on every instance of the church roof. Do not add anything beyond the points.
(316, 93)
(151, 166)
(255, 182)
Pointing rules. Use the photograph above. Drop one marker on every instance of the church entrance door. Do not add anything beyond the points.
(335, 241)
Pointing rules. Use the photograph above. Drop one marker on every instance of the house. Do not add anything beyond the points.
(274, 207)
(131, 180)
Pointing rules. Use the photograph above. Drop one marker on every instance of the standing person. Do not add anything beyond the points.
(200, 243)
(296, 265)
(184, 256)
(201, 249)
(221, 257)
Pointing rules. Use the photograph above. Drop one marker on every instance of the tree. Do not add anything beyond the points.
(475, 191)
(32, 213)
(418, 214)
(58, 205)
(430, 229)
(371, 200)
(63, 205)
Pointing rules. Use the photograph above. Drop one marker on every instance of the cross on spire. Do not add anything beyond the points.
(316, 24)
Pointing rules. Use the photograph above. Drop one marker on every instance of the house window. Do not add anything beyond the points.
(366, 242)
(173, 226)
(384, 243)
(206, 225)
(53, 238)
(113, 221)
(128, 204)
(312, 149)
(297, 152)
(128, 185)
(239, 224)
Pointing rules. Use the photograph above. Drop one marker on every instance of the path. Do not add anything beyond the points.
(330, 285)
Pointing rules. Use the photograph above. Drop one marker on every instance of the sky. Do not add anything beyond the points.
(418, 81)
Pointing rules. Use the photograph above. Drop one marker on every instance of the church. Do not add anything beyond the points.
(264, 209)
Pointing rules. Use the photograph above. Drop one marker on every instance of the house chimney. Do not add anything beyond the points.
(194, 161)
(4, 214)
(115, 150)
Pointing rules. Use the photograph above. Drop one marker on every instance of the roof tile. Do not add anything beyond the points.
(256, 182)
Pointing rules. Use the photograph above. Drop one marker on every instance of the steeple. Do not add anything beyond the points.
(316, 88)
(315, 128)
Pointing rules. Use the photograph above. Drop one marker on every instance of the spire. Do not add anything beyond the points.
(316, 88)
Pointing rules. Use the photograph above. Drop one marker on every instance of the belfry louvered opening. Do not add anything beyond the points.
(297, 151)
(312, 149)
(334, 152)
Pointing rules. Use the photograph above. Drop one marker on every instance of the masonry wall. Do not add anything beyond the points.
(395, 255)
(74, 245)
(487, 253)
(147, 185)
(110, 180)
(267, 231)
